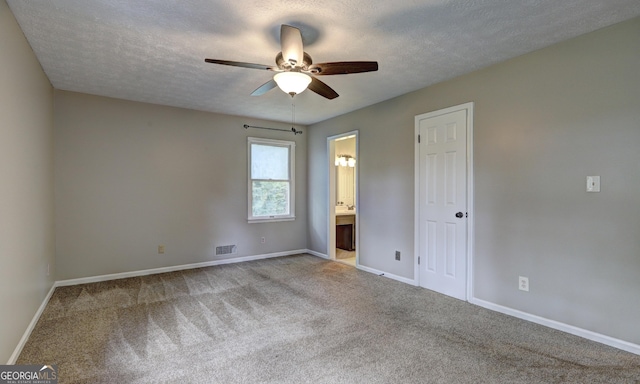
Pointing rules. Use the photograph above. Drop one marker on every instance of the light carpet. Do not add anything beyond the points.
(300, 319)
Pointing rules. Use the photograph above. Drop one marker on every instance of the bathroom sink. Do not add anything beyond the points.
(342, 210)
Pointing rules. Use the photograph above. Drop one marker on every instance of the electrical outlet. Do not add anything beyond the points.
(593, 183)
(263, 240)
(523, 283)
(160, 249)
(398, 255)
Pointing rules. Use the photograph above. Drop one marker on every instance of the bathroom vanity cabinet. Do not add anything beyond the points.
(345, 231)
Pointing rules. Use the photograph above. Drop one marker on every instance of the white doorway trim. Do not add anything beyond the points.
(468, 107)
(331, 217)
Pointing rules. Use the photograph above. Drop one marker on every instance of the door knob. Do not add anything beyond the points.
(459, 215)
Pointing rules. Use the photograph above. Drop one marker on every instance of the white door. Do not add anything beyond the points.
(443, 202)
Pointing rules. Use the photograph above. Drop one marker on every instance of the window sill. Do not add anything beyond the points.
(271, 220)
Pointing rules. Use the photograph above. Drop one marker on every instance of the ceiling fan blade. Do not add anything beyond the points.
(240, 64)
(291, 44)
(343, 67)
(264, 88)
(322, 89)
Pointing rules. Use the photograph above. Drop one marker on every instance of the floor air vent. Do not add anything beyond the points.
(226, 249)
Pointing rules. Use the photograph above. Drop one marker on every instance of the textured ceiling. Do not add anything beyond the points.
(154, 50)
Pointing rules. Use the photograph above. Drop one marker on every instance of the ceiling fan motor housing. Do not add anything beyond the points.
(294, 61)
(286, 65)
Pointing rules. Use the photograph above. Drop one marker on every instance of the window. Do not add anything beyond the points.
(271, 180)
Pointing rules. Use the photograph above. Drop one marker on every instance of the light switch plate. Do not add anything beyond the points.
(523, 283)
(593, 183)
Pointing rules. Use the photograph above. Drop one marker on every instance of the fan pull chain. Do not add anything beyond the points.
(293, 120)
(293, 115)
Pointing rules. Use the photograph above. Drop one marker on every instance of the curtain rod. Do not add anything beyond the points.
(295, 131)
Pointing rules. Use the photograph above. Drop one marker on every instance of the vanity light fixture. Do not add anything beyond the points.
(346, 160)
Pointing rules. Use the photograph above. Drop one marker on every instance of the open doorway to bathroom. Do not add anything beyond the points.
(343, 228)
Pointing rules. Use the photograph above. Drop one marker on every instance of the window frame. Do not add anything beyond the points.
(291, 146)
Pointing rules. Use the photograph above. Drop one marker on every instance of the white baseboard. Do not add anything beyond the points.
(317, 254)
(144, 272)
(32, 324)
(590, 335)
(388, 275)
(370, 270)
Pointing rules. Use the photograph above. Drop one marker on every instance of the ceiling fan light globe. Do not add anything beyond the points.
(292, 82)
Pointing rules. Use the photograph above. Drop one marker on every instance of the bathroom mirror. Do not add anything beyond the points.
(345, 171)
(345, 185)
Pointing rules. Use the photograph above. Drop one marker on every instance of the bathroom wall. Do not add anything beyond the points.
(345, 176)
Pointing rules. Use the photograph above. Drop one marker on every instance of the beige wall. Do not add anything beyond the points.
(346, 147)
(543, 122)
(131, 176)
(26, 183)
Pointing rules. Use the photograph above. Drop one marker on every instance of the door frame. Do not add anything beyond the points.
(331, 213)
(468, 107)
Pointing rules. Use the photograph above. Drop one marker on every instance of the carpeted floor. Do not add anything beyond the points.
(300, 319)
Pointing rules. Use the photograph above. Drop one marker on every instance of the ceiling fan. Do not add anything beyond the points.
(295, 69)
